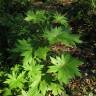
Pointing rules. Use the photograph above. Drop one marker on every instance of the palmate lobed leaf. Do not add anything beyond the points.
(32, 66)
(15, 81)
(56, 88)
(35, 74)
(64, 67)
(41, 52)
(23, 45)
(58, 18)
(52, 34)
(27, 57)
(57, 34)
(16, 68)
(25, 49)
(36, 17)
(43, 87)
(33, 71)
(69, 39)
(24, 93)
(30, 92)
(34, 91)
(7, 92)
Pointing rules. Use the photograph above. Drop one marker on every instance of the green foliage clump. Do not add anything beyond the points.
(39, 73)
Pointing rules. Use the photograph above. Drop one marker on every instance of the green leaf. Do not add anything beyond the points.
(53, 69)
(69, 39)
(27, 57)
(58, 34)
(61, 19)
(23, 45)
(15, 81)
(29, 66)
(33, 92)
(7, 92)
(24, 93)
(52, 34)
(33, 72)
(56, 88)
(43, 87)
(41, 52)
(64, 67)
(36, 17)
(1, 73)
(36, 81)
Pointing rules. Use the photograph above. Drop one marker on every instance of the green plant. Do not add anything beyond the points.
(40, 73)
(58, 18)
(36, 17)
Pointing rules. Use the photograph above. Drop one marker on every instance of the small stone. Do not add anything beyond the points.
(91, 88)
(94, 90)
(90, 94)
(79, 94)
(86, 74)
(94, 71)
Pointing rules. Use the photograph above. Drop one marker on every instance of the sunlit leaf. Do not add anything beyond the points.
(64, 67)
